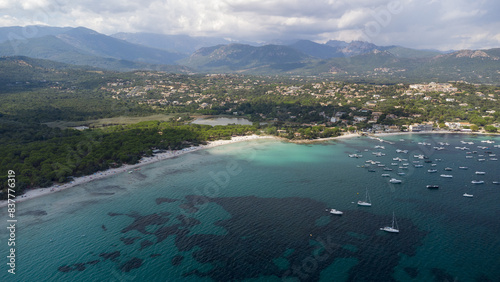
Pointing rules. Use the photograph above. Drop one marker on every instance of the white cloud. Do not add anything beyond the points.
(452, 15)
(415, 24)
(33, 4)
(352, 18)
(7, 20)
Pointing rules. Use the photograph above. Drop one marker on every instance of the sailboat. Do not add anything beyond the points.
(367, 202)
(391, 229)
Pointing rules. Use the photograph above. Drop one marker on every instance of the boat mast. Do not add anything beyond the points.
(394, 220)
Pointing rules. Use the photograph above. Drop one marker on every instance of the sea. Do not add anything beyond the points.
(259, 211)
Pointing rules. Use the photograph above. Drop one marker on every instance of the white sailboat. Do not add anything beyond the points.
(391, 228)
(367, 202)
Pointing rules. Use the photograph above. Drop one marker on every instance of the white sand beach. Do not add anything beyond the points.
(37, 192)
(33, 193)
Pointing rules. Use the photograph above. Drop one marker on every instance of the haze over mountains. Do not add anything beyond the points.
(182, 53)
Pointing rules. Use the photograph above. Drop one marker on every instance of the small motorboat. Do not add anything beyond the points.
(337, 212)
(395, 181)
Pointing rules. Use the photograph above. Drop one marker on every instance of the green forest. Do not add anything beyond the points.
(41, 156)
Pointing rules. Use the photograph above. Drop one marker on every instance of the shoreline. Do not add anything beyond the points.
(38, 192)
(431, 132)
(307, 141)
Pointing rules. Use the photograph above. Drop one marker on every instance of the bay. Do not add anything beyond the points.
(256, 211)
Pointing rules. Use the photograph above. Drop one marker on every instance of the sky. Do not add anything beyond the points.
(422, 24)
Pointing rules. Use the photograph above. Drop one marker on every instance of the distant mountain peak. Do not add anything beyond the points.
(469, 54)
(83, 30)
(473, 54)
(336, 43)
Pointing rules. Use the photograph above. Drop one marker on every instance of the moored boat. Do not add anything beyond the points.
(468, 195)
(392, 228)
(367, 202)
(395, 181)
(337, 212)
(432, 187)
(477, 182)
(446, 175)
(355, 156)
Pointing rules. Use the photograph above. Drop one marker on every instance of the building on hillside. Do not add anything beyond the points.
(420, 127)
(457, 125)
(434, 87)
(359, 119)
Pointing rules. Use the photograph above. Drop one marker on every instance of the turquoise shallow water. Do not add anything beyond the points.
(255, 211)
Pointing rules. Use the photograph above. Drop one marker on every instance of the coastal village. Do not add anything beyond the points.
(456, 106)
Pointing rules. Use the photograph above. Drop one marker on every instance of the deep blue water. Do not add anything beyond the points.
(255, 211)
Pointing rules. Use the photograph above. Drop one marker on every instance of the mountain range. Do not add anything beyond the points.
(186, 54)
(82, 46)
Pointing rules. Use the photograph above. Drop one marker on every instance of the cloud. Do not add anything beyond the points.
(352, 18)
(420, 24)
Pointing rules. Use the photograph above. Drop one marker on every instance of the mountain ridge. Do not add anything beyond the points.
(354, 60)
(237, 57)
(83, 46)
